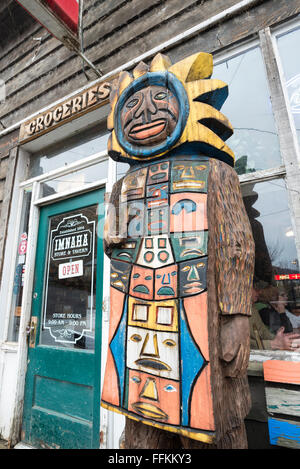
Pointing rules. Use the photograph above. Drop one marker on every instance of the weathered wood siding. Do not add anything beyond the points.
(8, 158)
(38, 69)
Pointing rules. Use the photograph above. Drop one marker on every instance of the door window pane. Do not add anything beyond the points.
(288, 46)
(276, 294)
(248, 108)
(69, 289)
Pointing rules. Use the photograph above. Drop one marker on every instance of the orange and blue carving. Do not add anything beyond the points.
(165, 122)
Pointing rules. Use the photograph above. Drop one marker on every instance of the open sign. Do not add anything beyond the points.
(70, 269)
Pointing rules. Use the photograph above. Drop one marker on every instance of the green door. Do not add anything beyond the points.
(62, 390)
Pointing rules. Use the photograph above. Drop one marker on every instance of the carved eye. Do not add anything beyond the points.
(179, 167)
(136, 275)
(132, 103)
(201, 264)
(114, 275)
(186, 268)
(161, 95)
(135, 338)
(136, 379)
(169, 343)
(170, 388)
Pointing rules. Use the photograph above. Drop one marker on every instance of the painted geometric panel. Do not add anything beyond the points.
(189, 245)
(189, 176)
(154, 397)
(155, 252)
(155, 351)
(188, 212)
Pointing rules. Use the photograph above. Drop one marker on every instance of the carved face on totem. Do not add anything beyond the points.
(149, 116)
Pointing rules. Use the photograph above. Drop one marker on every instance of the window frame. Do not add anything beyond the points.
(289, 169)
(289, 149)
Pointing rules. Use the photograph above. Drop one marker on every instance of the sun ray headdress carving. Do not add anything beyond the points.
(200, 122)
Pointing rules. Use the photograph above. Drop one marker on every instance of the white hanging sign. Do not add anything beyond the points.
(70, 269)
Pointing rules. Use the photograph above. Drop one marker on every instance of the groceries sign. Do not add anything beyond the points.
(87, 100)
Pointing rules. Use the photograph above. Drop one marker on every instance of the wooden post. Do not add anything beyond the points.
(182, 258)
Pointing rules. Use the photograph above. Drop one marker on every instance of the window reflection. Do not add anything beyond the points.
(248, 107)
(287, 45)
(276, 291)
(75, 179)
(69, 291)
(74, 149)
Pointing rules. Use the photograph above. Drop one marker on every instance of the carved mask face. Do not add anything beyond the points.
(149, 116)
(192, 277)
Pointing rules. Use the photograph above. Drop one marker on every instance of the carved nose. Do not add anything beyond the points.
(166, 279)
(149, 391)
(150, 347)
(193, 273)
(147, 108)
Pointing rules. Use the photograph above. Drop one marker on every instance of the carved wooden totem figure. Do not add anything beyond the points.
(182, 258)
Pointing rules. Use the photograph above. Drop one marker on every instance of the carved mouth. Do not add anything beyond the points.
(188, 252)
(141, 289)
(189, 185)
(166, 291)
(133, 192)
(118, 284)
(157, 203)
(140, 132)
(153, 364)
(194, 287)
(149, 410)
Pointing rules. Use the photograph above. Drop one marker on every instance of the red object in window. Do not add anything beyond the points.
(66, 10)
(287, 277)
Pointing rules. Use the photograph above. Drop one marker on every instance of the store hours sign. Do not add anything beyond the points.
(69, 287)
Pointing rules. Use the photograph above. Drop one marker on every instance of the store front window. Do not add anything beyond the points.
(69, 182)
(287, 45)
(248, 107)
(91, 142)
(276, 300)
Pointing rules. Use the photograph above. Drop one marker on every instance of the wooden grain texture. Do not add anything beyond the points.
(283, 401)
(280, 371)
(8, 142)
(231, 395)
(7, 185)
(235, 246)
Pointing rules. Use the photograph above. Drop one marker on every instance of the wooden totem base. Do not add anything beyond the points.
(140, 436)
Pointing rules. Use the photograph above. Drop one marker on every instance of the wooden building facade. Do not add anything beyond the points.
(54, 171)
